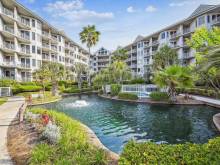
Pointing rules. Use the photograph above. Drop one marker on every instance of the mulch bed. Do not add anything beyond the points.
(21, 140)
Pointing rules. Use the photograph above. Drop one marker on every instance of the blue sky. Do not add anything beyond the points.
(119, 21)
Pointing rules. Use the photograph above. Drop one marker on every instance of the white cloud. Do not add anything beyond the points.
(151, 8)
(74, 12)
(64, 5)
(180, 4)
(130, 9)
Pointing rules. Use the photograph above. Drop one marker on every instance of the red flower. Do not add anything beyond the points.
(45, 119)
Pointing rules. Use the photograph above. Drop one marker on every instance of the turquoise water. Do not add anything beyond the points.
(115, 123)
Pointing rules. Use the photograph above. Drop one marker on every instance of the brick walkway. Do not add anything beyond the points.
(8, 112)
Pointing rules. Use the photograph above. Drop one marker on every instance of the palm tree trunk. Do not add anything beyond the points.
(54, 88)
(89, 78)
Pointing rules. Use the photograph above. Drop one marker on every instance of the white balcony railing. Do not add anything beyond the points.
(25, 50)
(8, 63)
(155, 42)
(217, 20)
(24, 21)
(24, 65)
(24, 36)
(45, 45)
(186, 30)
(8, 29)
(8, 12)
(46, 34)
(8, 46)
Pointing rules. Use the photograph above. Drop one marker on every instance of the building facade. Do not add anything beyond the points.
(142, 50)
(101, 59)
(27, 41)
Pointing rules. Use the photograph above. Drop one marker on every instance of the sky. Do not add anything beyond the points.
(119, 21)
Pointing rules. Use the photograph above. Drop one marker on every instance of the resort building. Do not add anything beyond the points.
(100, 60)
(142, 50)
(27, 41)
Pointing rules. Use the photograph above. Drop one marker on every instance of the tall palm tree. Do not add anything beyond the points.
(79, 69)
(56, 73)
(89, 36)
(119, 55)
(172, 77)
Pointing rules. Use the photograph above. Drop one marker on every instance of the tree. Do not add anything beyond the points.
(207, 44)
(119, 55)
(41, 75)
(103, 78)
(89, 36)
(172, 77)
(79, 69)
(165, 57)
(120, 72)
(56, 73)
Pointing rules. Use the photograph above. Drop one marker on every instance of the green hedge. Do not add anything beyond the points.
(179, 154)
(127, 96)
(115, 89)
(159, 96)
(76, 90)
(199, 91)
(25, 88)
(138, 81)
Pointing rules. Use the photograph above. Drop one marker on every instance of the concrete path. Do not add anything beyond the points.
(209, 101)
(8, 112)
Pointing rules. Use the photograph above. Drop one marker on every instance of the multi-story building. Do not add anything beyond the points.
(27, 41)
(101, 59)
(142, 50)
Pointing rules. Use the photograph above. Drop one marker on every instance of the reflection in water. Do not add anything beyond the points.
(117, 122)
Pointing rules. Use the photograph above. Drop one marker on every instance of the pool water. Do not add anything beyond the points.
(115, 122)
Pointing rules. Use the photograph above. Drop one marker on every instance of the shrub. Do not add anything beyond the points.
(7, 83)
(25, 88)
(51, 133)
(188, 153)
(159, 96)
(138, 81)
(30, 83)
(115, 89)
(127, 96)
(73, 146)
(86, 90)
(71, 90)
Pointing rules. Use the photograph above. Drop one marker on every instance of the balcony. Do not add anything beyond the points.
(24, 66)
(54, 39)
(45, 35)
(8, 64)
(187, 56)
(53, 48)
(45, 46)
(23, 22)
(216, 21)
(8, 47)
(24, 37)
(186, 31)
(174, 46)
(133, 66)
(155, 42)
(8, 29)
(8, 12)
(46, 57)
(25, 51)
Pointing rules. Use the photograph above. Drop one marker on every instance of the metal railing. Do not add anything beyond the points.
(8, 12)
(8, 29)
(8, 46)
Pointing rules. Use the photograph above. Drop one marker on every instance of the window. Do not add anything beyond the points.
(59, 38)
(38, 38)
(208, 19)
(38, 24)
(38, 50)
(33, 23)
(33, 49)
(33, 62)
(59, 58)
(163, 35)
(201, 20)
(39, 63)
(60, 48)
(33, 36)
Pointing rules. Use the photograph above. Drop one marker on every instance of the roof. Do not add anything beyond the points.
(138, 38)
(201, 9)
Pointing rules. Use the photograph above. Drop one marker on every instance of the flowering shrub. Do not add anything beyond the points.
(51, 133)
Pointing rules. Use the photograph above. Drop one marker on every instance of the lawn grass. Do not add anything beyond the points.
(72, 148)
(47, 97)
(3, 100)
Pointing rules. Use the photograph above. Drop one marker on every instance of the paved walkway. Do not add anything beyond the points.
(209, 101)
(8, 112)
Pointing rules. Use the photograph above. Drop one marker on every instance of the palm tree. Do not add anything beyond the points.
(56, 73)
(89, 36)
(41, 75)
(79, 69)
(120, 71)
(165, 57)
(119, 55)
(172, 77)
